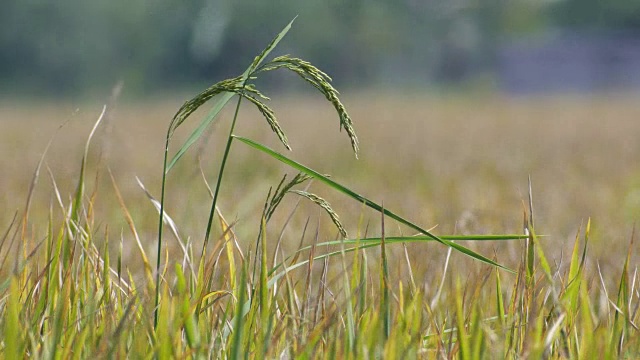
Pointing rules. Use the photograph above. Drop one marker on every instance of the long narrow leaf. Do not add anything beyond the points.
(375, 241)
(197, 133)
(260, 58)
(365, 201)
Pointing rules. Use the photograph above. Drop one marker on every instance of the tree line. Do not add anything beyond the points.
(73, 46)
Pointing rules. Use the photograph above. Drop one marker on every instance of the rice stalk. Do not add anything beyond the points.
(322, 82)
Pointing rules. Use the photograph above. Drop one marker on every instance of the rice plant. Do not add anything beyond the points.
(65, 294)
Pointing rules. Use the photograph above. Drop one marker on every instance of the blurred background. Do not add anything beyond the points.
(71, 47)
(456, 103)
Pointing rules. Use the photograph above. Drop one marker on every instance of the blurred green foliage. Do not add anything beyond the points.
(75, 46)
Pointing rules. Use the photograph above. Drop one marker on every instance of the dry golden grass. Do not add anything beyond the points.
(461, 162)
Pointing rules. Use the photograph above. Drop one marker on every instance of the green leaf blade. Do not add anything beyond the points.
(197, 133)
(340, 188)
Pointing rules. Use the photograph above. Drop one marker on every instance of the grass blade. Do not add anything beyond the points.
(13, 341)
(375, 241)
(334, 185)
(80, 188)
(500, 302)
(241, 310)
(260, 58)
(384, 284)
(197, 133)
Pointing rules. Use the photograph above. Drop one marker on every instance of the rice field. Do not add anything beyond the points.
(456, 163)
(449, 255)
(459, 162)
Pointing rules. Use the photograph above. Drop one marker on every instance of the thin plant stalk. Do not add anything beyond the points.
(220, 174)
(160, 227)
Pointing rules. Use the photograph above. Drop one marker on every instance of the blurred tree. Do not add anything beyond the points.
(74, 46)
(597, 14)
